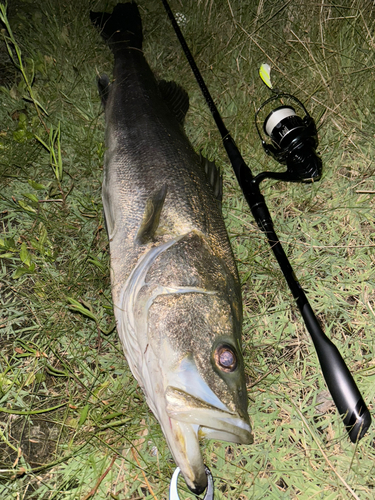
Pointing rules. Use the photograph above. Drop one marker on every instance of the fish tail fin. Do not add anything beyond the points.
(122, 29)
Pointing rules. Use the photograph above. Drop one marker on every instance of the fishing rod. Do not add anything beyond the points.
(343, 389)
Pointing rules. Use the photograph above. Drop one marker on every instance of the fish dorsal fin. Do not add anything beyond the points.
(151, 216)
(176, 98)
(214, 177)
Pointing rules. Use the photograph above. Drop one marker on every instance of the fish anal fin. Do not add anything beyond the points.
(151, 216)
(176, 98)
(214, 177)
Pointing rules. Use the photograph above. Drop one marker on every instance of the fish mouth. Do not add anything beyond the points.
(196, 412)
(199, 420)
(212, 422)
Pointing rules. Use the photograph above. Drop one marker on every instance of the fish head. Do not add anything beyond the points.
(180, 320)
(204, 381)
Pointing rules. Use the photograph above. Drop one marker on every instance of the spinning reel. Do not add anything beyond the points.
(294, 142)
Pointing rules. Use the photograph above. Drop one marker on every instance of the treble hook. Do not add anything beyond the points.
(173, 493)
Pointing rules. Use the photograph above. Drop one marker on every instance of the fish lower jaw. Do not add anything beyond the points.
(183, 442)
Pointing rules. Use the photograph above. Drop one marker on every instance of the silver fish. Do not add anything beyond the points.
(175, 287)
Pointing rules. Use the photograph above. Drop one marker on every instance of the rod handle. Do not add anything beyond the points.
(344, 391)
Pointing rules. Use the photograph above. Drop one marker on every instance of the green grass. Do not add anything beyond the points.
(73, 422)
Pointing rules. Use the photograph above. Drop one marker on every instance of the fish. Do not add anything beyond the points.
(175, 286)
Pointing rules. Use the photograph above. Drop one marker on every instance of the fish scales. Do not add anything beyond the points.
(149, 139)
(175, 287)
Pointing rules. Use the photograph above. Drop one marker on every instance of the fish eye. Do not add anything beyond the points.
(225, 358)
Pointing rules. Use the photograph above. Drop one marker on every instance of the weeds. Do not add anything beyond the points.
(55, 157)
(73, 422)
(28, 76)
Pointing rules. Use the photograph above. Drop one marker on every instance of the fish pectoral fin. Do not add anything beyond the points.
(176, 98)
(151, 216)
(214, 178)
(104, 88)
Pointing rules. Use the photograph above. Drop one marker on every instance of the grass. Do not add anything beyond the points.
(73, 422)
